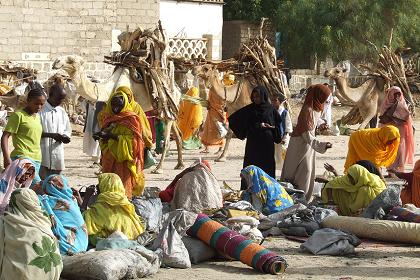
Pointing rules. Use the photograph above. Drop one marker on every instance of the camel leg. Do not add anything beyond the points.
(178, 141)
(167, 134)
(222, 157)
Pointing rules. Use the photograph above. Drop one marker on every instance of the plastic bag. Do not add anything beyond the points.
(174, 252)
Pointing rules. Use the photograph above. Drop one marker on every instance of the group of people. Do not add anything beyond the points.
(265, 126)
(41, 215)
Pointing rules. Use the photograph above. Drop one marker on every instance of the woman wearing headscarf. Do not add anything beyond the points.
(394, 111)
(258, 122)
(210, 137)
(411, 192)
(66, 219)
(378, 145)
(299, 163)
(264, 192)
(19, 174)
(112, 211)
(354, 191)
(370, 166)
(122, 143)
(28, 248)
(190, 117)
(144, 122)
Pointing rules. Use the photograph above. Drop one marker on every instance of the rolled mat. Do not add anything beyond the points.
(404, 214)
(235, 245)
(392, 231)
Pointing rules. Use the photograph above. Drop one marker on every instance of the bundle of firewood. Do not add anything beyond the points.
(257, 58)
(390, 66)
(144, 52)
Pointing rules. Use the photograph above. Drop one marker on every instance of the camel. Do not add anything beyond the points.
(94, 92)
(366, 99)
(236, 96)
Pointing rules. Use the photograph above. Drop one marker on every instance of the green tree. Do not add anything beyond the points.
(339, 29)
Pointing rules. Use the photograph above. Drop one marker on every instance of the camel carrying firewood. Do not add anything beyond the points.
(365, 99)
(142, 66)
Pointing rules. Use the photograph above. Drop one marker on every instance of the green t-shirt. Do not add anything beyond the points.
(26, 133)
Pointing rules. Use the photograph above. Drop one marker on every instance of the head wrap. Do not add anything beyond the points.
(314, 101)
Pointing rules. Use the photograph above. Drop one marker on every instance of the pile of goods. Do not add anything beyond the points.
(12, 75)
(144, 52)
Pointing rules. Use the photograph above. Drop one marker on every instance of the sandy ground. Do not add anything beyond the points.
(370, 262)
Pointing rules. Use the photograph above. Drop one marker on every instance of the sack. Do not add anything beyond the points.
(198, 250)
(174, 252)
(111, 264)
(149, 160)
(150, 209)
(221, 129)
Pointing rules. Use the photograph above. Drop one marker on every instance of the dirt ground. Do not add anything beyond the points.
(370, 262)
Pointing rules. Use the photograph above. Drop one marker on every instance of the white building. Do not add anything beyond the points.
(194, 19)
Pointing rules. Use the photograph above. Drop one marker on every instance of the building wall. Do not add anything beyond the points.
(193, 20)
(34, 32)
(235, 33)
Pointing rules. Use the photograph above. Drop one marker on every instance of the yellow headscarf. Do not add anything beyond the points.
(351, 197)
(136, 108)
(371, 144)
(190, 115)
(127, 105)
(112, 211)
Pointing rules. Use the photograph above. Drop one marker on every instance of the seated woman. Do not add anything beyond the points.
(370, 166)
(411, 192)
(122, 142)
(29, 249)
(378, 145)
(264, 192)
(67, 221)
(354, 191)
(112, 211)
(19, 174)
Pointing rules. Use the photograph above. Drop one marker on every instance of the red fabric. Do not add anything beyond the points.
(411, 193)
(314, 101)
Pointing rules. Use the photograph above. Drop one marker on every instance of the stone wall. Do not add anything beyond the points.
(235, 33)
(37, 31)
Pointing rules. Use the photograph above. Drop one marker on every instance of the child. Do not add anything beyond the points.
(287, 128)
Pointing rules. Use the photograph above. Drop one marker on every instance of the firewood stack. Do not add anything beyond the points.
(257, 60)
(390, 66)
(144, 53)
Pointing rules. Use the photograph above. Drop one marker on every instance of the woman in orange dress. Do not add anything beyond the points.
(122, 143)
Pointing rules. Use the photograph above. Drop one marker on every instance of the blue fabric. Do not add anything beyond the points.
(272, 195)
(37, 165)
(66, 219)
(283, 122)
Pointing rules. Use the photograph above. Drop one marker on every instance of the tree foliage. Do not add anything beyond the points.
(339, 29)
